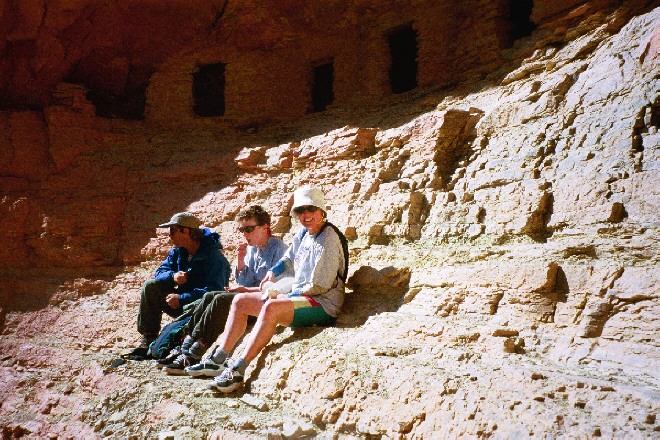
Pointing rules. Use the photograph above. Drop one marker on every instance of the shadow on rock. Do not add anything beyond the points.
(374, 291)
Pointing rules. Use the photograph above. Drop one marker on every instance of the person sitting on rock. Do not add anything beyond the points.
(317, 261)
(194, 266)
(260, 251)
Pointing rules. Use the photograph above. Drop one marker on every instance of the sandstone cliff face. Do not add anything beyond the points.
(503, 236)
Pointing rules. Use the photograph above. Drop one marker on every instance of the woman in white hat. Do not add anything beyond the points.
(317, 263)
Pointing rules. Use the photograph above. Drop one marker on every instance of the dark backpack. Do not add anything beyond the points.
(169, 337)
(344, 246)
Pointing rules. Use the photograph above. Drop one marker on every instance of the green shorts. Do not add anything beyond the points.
(308, 312)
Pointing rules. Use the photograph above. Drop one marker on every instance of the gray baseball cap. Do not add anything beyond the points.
(185, 219)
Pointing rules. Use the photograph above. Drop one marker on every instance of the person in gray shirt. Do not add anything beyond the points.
(317, 263)
(260, 251)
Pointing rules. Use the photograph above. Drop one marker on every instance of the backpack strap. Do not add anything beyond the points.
(344, 247)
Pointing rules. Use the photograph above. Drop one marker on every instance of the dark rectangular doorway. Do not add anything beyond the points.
(403, 50)
(209, 90)
(520, 13)
(322, 95)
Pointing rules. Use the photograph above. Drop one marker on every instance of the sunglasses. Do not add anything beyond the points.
(300, 209)
(247, 229)
(174, 229)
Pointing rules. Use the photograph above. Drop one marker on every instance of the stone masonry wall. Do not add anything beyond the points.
(275, 85)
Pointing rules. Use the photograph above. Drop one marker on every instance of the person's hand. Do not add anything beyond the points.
(270, 276)
(180, 277)
(293, 293)
(242, 252)
(172, 300)
(236, 288)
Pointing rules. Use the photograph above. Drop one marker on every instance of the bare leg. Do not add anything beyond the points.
(243, 305)
(275, 312)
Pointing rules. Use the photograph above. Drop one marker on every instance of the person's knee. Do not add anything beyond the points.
(241, 300)
(151, 288)
(223, 298)
(246, 304)
(274, 311)
(150, 284)
(208, 297)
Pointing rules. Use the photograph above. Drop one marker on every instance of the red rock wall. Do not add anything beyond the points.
(275, 85)
(114, 48)
(73, 196)
(106, 46)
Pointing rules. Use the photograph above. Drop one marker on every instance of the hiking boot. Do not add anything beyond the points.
(147, 340)
(230, 380)
(141, 352)
(206, 368)
(170, 358)
(180, 363)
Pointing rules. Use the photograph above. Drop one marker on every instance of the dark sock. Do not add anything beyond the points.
(219, 356)
(186, 344)
(240, 365)
(197, 350)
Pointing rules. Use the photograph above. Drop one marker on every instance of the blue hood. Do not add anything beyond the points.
(211, 238)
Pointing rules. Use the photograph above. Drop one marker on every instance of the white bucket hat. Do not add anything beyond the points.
(308, 196)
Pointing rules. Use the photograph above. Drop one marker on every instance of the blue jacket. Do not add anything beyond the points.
(208, 270)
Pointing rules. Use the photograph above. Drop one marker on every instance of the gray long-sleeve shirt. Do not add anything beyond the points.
(317, 262)
(258, 261)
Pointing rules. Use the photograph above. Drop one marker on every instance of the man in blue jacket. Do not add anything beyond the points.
(193, 267)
